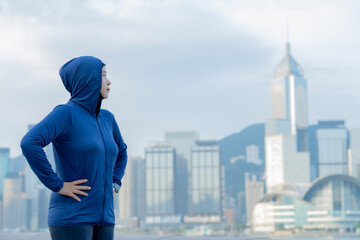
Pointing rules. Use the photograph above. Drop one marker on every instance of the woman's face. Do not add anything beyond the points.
(105, 86)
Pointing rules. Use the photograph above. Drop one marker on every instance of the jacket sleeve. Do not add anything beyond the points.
(53, 127)
(121, 160)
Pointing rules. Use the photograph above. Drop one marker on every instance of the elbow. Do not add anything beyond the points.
(25, 144)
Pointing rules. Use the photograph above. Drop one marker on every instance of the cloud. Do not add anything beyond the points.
(198, 65)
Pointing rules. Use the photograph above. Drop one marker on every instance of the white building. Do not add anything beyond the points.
(283, 163)
(286, 141)
(289, 97)
(252, 154)
(354, 156)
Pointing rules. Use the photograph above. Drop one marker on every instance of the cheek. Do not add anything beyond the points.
(103, 84)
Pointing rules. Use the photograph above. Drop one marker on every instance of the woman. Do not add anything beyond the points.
(90, 155)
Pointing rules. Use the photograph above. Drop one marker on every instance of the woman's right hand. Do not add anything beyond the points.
(72, 188)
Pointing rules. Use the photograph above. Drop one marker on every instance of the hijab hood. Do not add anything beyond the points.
(82, 78)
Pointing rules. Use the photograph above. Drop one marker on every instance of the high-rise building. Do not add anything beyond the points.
(138, 188)
(354, 158)
(125, 192)
(181, 185)
(33, 186)
(17, 164)
(283, 163)
(4, 169)
(205, 183)
(289, 97)
(254, 191)
(182, 141)
(286, 141)
(332, 138)
(43, 208)
(241, 208)
(160, 180)
(12, 202)
(4, 166)
(252, 154)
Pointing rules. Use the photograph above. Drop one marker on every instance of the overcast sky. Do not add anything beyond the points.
(178, 65)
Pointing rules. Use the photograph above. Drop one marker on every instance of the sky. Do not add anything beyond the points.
(203, 65)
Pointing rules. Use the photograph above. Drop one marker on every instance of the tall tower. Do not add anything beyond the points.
(286, 141)
(289, 98)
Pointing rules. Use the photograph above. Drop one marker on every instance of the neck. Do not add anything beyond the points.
(98, 105)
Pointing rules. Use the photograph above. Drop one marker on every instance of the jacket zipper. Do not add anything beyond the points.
(102, 136)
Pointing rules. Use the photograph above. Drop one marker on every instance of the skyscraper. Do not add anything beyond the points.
(138, 187)
(205, 184)
(4, 169)
(124, 195)
(332, 148)
(286, 141)
(160, 180)
(254, 191)
(182, 141)
(289, 97)
(252, 154)
(43, 208)
(12, 202)
(4, 166)
(354, 163)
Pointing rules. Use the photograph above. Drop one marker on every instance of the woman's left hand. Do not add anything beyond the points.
(114, 193)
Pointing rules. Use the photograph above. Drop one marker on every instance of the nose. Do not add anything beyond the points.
(108, 82)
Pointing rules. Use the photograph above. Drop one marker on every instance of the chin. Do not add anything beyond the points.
(105, 95)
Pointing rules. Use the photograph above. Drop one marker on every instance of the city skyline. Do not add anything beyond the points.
(180, 65)
(186, 181)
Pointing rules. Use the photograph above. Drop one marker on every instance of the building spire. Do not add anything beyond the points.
(287, 48)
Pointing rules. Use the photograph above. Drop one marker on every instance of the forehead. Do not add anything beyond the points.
(104, 68)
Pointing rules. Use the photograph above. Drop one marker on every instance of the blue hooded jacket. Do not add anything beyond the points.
(87, 144)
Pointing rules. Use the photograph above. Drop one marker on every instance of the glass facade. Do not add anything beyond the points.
(12, 202)
(138, 188)
(289, 97)
(182, 141)
(4, 166)
(332, 151)
(159, 161)
(331, 202)
(336, 194)
(205, 180)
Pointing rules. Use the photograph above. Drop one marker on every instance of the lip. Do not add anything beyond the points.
(108, 89)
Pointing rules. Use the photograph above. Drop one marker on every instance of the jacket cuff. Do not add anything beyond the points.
(59, 187)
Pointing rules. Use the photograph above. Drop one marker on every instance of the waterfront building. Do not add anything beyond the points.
(182, 141)
(160, 185)
(4, 166)
(138, 188)
(254, 191)
(205, 184)
(330, 203)
(332, 138)
(4, 169)
(286, 140)
(354, 158)
(12, 202)
(284, 164)
(289, 98)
